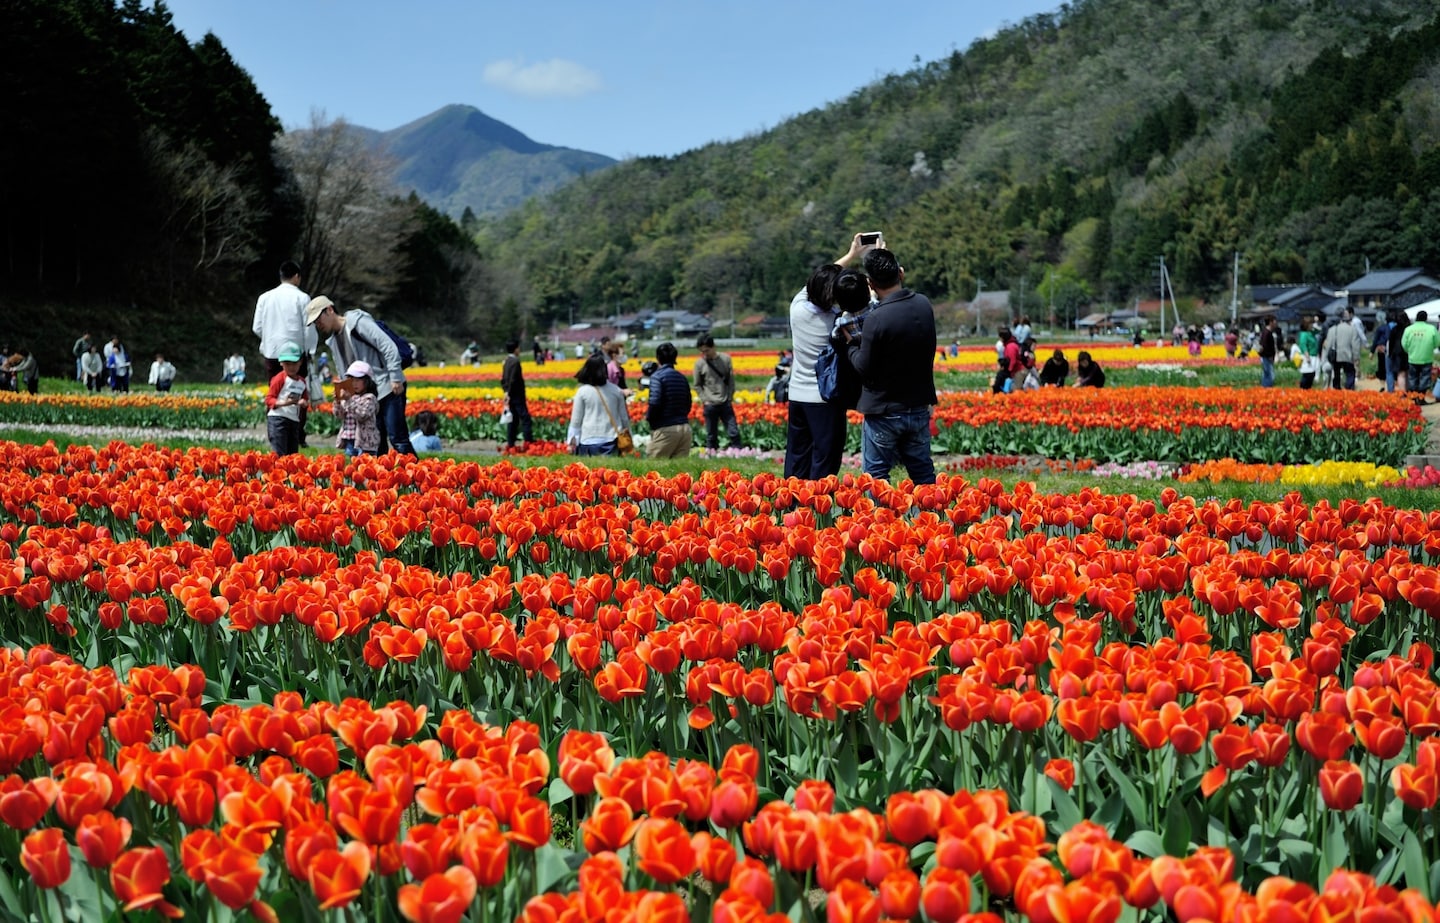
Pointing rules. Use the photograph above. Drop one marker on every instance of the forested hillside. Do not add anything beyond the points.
(1070, 152)
(146, 190)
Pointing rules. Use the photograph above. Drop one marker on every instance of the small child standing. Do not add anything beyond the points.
(426, 438)
(356, 404)
(287, 396)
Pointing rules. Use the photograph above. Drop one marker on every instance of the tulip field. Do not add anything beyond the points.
(234, 686)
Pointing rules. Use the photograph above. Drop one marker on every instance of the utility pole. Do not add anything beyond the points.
(1019, 310)
(1162, 296)
(1052, 298)
(1235, 290)
(979, 287)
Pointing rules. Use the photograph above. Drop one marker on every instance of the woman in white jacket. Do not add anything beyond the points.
(598, 416)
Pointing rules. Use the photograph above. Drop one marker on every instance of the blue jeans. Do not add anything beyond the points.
(1418, 378)
(814, 440)
(605, 448)
(391, 417)
(898, 439)
(1267, 372)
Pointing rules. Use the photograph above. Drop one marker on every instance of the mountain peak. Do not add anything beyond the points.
(458, 157)
(465, 125)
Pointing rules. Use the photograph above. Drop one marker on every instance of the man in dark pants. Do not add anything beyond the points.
(512, 382)
(895, 358)
(715, 387)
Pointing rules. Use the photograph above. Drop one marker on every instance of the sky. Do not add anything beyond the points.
(617, 77)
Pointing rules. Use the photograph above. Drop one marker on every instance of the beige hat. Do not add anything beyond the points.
(316, 307)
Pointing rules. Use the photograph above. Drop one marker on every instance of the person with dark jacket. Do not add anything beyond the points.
(1055, 370)
(669, 410)
(1088, 373)
(1396, 372)
(895, 358)
(512, 383)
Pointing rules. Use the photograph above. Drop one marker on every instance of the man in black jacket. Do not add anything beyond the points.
(895, 358)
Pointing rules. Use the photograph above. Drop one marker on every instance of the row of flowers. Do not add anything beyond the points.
(174, 806)
(761, 363)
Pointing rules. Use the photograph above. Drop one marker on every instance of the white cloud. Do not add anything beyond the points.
(556, 77)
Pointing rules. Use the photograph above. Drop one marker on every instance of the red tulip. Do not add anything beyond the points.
(138, 877)
(1341, 784)
(23, 804)
(945, 894)
(100, 837)
(46, 857)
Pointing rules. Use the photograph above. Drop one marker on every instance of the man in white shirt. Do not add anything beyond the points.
(280, 319)
(162, 373)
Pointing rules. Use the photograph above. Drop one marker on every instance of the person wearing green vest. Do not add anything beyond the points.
(1419, 344)
(1309, 345)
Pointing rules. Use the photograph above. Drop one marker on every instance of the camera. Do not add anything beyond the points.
(646, 370)
(870, 238)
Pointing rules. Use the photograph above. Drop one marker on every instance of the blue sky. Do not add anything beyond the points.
(622, 78)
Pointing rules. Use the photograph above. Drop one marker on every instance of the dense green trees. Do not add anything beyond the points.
(142, 192)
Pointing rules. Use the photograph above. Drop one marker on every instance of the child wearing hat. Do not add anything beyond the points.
(287, 397)
(356, 404)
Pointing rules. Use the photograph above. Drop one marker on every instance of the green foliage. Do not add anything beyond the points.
(1098, 137)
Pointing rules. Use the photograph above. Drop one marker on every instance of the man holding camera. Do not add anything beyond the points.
(715, 386)
(895, 358)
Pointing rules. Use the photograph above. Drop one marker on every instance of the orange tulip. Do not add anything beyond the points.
(852, 902)
(427, 849)
(486, 853)
(1062, 772)
(610, 826)
(1417, 787)
(900, 894)
(664, 850)
(46, 857)
(714, 857)
(582, 755)
(337, 877)
(530, 823)
(793, 841)
(440, 898)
